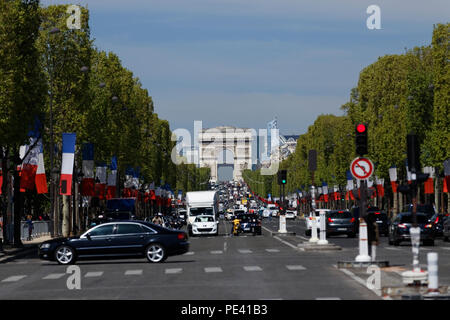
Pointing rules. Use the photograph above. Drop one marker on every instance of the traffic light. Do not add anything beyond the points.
(361, 139)
(282, 177)
(413, 153)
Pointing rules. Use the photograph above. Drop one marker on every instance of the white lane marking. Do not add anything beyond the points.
(225, 246)
(295, 267)
(54, 276)
(446, 248)
(272, 250)
(93, 274)
(245, 251)
(13, 278)
(392, 248)
(328, 298)
(424, 249)
(252, 268)
(213, 269)
(303, 238)
(133, 272)
(190, 253)
(216, 252)
(173, 270)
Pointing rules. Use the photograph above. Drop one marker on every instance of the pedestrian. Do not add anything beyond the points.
(30, 226)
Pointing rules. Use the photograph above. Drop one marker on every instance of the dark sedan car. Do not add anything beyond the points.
(382, 222)
(117, 239)
(250, 222)
(340, 222)
(399, 229)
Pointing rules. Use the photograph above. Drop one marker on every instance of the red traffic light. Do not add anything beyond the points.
(361, 128)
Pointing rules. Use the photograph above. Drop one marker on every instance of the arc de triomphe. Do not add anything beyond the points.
(215, 141)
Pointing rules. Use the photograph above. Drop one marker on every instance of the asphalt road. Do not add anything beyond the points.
(237, 268)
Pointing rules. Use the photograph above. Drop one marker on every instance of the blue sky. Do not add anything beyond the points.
(244, 62)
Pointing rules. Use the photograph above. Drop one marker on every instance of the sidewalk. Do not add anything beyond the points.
(10, 253)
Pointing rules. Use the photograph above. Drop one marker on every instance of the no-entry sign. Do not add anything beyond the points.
(361, 168)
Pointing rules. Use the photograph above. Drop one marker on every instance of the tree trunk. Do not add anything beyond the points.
(66, 216)
(18, 205)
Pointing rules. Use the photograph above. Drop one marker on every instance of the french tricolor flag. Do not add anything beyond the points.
(88, 182)
(68, 157)
(29, 154)
(112, 179)
(41, 179)
(100, 177)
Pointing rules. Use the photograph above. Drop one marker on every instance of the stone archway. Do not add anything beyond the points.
(238, 141)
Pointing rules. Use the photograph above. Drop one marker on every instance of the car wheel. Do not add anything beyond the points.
(155, 253)
(396, 243)
(308, 233)
(428, 242)
(390, 242)
(351, 235)
(65, 255)
(446, 239)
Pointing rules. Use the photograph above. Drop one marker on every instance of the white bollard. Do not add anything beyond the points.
(363, 245)
(433, 284)
(374, 252)
(313, 238)
(282, 228)
(323, 228)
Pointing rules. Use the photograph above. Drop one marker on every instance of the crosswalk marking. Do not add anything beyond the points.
(328, 298)
(54, 276)
(14, 278)
(93, 274)
(295, 267)
(245, 251)
(173, 270)
(213, 269)
(252, 268)
(272, 250)
(133, 272)
(190, 253)
(216, 252)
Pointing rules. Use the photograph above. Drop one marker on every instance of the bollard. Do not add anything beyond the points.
(433, 284)
(282, 228)
(323, 229)
(374, 252)
(313, 230)
(363, 245)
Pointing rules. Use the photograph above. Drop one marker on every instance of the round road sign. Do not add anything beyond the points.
(361, 168)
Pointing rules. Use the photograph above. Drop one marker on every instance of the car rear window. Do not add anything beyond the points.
(124, 228)
(408, 219)
(339, 214)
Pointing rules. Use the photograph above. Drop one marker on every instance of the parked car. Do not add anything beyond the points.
(399, 229)
(117, 239)
(205, 224)
(250, 222)
(310, 218)
(340, 222)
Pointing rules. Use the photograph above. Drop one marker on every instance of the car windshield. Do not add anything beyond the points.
(239, 212)
(204, 219)
(339, 214)
(200, 211)
(407, 218)
(425, 208)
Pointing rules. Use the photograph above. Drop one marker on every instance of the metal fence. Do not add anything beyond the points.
(40, 229)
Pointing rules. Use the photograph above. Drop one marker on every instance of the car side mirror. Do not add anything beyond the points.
(88, 236)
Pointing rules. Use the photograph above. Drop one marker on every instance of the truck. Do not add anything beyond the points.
(201, 203)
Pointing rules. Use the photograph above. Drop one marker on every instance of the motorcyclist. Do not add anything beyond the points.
(236, 225)
(158, 219)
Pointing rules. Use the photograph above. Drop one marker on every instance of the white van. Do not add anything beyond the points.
(201, 203)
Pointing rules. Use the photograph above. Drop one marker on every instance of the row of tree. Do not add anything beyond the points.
(54, 75)
(396, 95)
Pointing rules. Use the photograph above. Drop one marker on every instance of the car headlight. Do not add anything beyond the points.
(45, 246)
